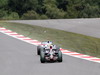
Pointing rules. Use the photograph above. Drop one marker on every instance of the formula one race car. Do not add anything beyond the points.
(50, 53)
(43, 44)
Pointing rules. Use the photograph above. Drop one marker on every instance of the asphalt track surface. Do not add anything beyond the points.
(90, 27)
(19, 58)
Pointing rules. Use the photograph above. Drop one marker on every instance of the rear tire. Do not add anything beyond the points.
(42, 56)
(59, 56)
(38, 50)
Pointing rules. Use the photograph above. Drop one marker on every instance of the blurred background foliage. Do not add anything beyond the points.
(49, 9)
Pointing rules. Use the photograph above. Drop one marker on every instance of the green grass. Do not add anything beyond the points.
(72, 41)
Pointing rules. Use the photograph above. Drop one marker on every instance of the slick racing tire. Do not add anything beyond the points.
(38, 50)
(42, 56)
(59, 56)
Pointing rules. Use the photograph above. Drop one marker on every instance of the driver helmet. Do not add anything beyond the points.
(49, 43)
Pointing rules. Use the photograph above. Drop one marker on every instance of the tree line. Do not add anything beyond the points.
(49, 9)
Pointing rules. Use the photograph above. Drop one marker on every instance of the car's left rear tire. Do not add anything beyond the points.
(42, 56)
(38, 50)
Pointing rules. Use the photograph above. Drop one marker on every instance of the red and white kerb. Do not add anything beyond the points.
(36, 42)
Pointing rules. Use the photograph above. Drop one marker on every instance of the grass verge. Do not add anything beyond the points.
(72, 41)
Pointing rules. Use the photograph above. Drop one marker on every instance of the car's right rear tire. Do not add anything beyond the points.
(59, 56)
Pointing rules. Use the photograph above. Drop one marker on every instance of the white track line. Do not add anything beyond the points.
(36, 42)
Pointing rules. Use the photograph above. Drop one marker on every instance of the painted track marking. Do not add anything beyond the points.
(36, 42)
